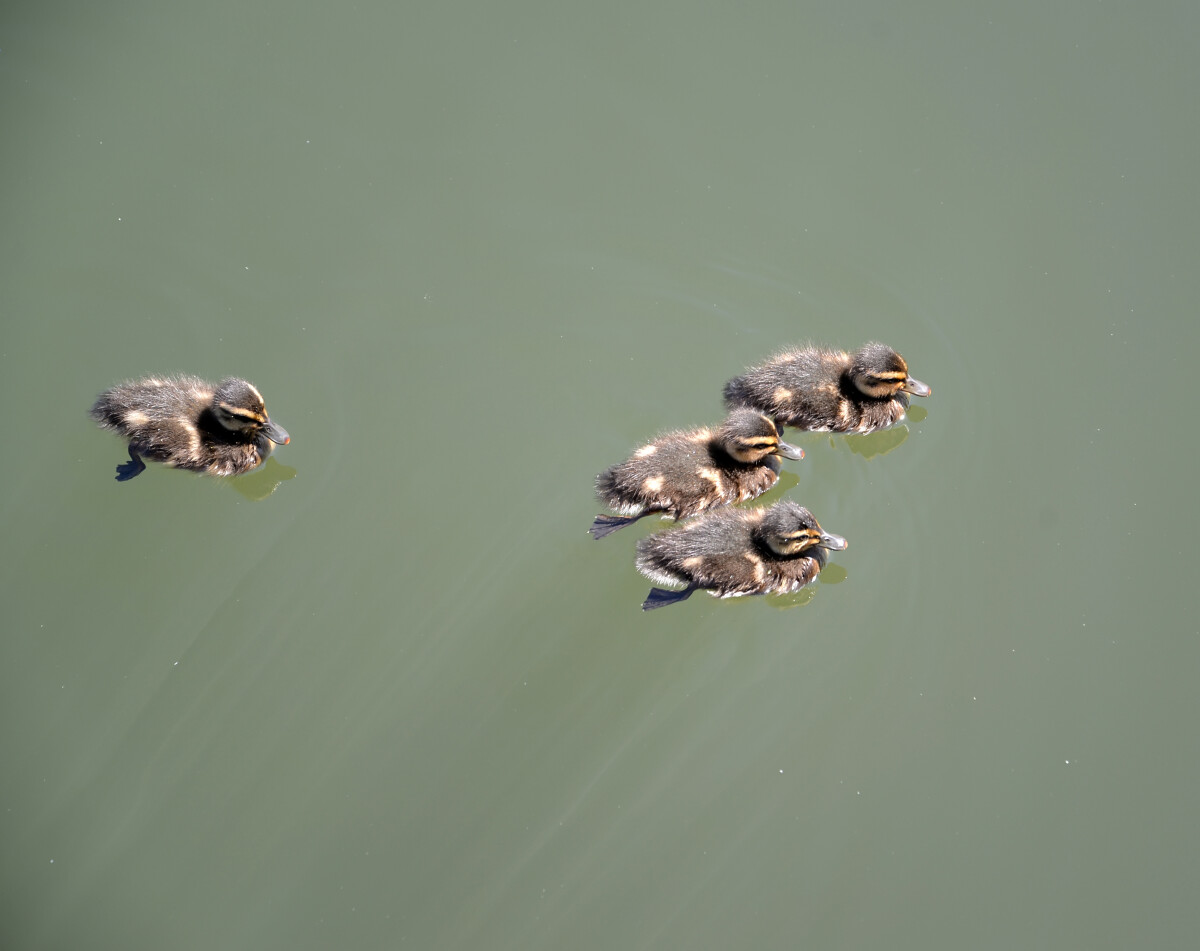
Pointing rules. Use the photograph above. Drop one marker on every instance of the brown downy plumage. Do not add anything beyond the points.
(684, 473)
(734, 552)
(829, 390)
(186, 423)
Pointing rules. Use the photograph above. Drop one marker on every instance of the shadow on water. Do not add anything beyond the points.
(877, 444)
(261, 483)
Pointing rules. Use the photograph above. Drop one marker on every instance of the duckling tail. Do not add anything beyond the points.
(661, 597)
(735, 393)
(607, 524)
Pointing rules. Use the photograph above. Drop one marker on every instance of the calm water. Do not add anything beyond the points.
(472, 254)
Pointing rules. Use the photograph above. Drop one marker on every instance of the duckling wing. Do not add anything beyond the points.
(786, 575)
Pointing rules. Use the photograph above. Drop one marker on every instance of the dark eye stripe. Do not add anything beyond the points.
(243, 415)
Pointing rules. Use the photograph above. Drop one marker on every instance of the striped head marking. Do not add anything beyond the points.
(789, 529)
(749, 437)
(880, 372)
(239, 407)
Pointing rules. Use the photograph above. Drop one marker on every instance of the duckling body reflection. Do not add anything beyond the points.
(734, 552)
(829, 390)
(186, 423)
(685, 473)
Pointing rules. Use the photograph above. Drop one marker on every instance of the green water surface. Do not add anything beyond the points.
(474, 253)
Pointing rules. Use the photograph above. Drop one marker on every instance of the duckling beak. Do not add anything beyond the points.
(789, 451)
(916, 387)
(276, 433)
(833, 542)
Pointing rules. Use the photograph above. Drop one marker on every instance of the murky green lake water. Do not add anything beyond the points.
(474, 254)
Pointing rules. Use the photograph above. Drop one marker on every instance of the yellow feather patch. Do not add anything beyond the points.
(760, 570)
(653, 484)
(193, 435)
(713, 476)
(645, 451)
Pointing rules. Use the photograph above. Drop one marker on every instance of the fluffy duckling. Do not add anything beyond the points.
(733, 552)
(187, 423)
(829, 390)
(684, 473)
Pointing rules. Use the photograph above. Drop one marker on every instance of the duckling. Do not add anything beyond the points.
(686, 472)
(829, 390)
(734, 552)
(187, 423)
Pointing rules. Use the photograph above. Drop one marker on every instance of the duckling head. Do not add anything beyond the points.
(749, 437)
(789, 529)
(880, 372)
(239, 407)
